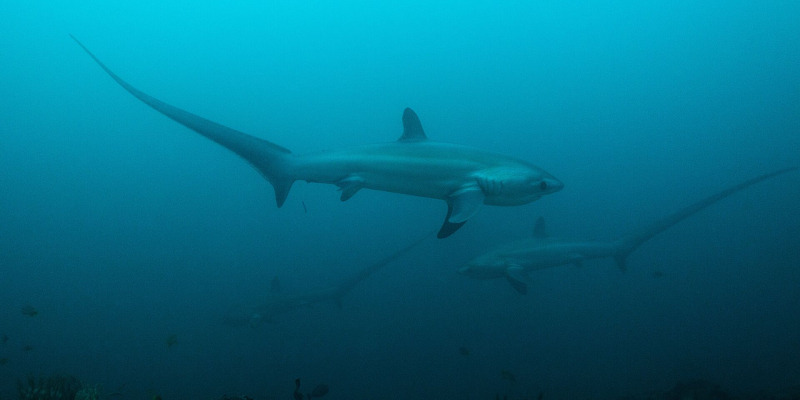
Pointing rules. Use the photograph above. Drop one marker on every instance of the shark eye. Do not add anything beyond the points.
(543, 185)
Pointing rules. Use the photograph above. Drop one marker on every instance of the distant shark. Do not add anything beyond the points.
(279, 302)
(464, 177)
(515, 260)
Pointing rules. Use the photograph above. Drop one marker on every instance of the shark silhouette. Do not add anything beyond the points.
(464, 177)
(278, 302)
(515, 260)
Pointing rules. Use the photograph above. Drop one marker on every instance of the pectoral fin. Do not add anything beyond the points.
(518, 278)
(465, 203)
(461, 205)
(448, 228)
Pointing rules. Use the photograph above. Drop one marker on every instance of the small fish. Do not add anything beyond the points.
(3, 361)
(507, 375)
(29, 310)
(658, 274)
(27, 348)
(5, 339)
(297, 395)
(172, 340)
(305, 210)
(463, 351)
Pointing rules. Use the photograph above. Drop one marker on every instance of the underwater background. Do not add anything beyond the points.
(126, 238)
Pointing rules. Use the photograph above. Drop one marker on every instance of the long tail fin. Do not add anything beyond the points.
(267, 158)
(352, 281)
(627, 244)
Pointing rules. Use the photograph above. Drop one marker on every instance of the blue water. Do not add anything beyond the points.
(122, 228)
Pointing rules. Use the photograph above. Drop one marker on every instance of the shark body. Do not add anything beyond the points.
(277, 302)
(464, 177)
(513, 261)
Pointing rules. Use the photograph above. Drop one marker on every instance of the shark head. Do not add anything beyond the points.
(487, 266)
(241, 316)
(516, 185)
(494, 265)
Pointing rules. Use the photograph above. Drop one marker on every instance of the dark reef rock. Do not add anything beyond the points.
(696, 390)
(55, 387)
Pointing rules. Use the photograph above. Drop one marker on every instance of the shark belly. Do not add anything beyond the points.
(387, 168)
(415, 183)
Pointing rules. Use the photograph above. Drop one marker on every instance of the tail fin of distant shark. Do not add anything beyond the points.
(267, 158)
(347, 285)
(627, 244)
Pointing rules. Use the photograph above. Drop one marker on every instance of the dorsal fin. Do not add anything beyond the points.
(412, 128)
(539, 229)
(275, 287)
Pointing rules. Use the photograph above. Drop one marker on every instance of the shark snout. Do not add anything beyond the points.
(480, 270)
(551, 185)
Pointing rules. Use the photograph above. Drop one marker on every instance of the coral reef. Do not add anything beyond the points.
(56, 387)
(505, 397)
(705, 390)
(88, 392)
(697, 389)
(319, 391)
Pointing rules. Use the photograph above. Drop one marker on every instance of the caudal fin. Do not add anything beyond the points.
(348, 284)
(627, 244)
(271, 160)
